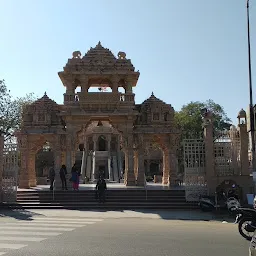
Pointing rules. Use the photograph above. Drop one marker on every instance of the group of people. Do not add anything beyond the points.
(75, 174)
(101, 185)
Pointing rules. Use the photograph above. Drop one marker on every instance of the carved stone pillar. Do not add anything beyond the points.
(129, 83)
(31, 169)
(129, 179)
(23, 177)
(69, 96)
(140, 168)
(136, 153)
(24, 149)
(84, 160)
(1, 165)
(115, 81)
(119, 161)
(94, 157)
(94, 143)
(148, 166)
(109, 143)
(169, 168)
(110, 169)
(69, 163)
(244, 143)
(57, 166)
(85, 85)
(166, 167)
(94, 165)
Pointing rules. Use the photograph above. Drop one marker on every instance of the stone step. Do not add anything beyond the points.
(93, 196)
(110, 192)
(116, 199)
(109, 200)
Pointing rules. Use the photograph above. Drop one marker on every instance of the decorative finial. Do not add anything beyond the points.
(45, 94)
(99, 44)
(152, 94)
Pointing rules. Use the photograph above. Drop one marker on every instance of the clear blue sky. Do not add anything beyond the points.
(186, 50)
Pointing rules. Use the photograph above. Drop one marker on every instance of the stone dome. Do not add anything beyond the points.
(241, 114)
(153, 100)
(44, 103)
(99, 50)
(45, 100)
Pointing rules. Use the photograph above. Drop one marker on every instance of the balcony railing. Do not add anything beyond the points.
(99, 97)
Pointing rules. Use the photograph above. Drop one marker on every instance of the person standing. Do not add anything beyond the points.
(51, 177)
(75, 177)
(63, 173)
(101, 188)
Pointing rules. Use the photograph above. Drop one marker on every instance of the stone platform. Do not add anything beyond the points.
(112, 186)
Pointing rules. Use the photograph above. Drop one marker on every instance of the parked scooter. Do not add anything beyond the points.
(246, 219)
(220, 201)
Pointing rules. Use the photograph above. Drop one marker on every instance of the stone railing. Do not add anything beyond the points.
(99, 97)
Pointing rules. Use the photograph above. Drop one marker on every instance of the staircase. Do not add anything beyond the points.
(115, 200)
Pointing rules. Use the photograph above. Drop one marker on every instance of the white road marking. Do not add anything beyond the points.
(43, 224)
(22, 238)
(67, 219)
(12, 246)
(30, 233)
(36, 228)
(64, 222)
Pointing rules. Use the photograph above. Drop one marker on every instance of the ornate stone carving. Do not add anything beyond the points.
(140, 126)
(76, 55)
(23, 141)
(121, 55)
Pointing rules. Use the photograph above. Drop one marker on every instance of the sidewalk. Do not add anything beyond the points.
(193, 215)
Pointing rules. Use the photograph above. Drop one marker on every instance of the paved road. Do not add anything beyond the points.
(63, 233)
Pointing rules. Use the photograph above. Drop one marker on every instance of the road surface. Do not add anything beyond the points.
(116, 233)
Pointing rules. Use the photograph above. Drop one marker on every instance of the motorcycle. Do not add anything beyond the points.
(246, 219)
(208, 203)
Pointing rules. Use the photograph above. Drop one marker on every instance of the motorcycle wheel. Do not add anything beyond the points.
(241, 228)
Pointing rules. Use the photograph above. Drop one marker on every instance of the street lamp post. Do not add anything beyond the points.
(252, 118)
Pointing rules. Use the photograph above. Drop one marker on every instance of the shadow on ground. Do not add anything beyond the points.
(186, 215)
(18, 214)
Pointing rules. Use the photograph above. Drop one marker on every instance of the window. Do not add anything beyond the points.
(41, 117)
(156, 116)
(166, 116)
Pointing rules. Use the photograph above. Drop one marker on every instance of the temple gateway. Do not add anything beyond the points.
(106, 133)
(101, 130)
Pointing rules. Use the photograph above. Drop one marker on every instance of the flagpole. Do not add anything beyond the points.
(252, 118)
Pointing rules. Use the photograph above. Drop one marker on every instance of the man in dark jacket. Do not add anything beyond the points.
(63, 173)
(51, 177)
(101, 187)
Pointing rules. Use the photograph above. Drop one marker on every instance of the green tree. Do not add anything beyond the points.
(19, 106)
(190, 120)
(11, 110)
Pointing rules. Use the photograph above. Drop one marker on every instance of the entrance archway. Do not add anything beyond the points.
(146, 143)
(44, 159)
(102, 150)
(102, 145)
(153, 163)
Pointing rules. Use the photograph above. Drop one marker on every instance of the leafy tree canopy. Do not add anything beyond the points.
(11, 110)
(189, 118)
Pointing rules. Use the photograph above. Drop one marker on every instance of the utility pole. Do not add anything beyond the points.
(252, 118)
